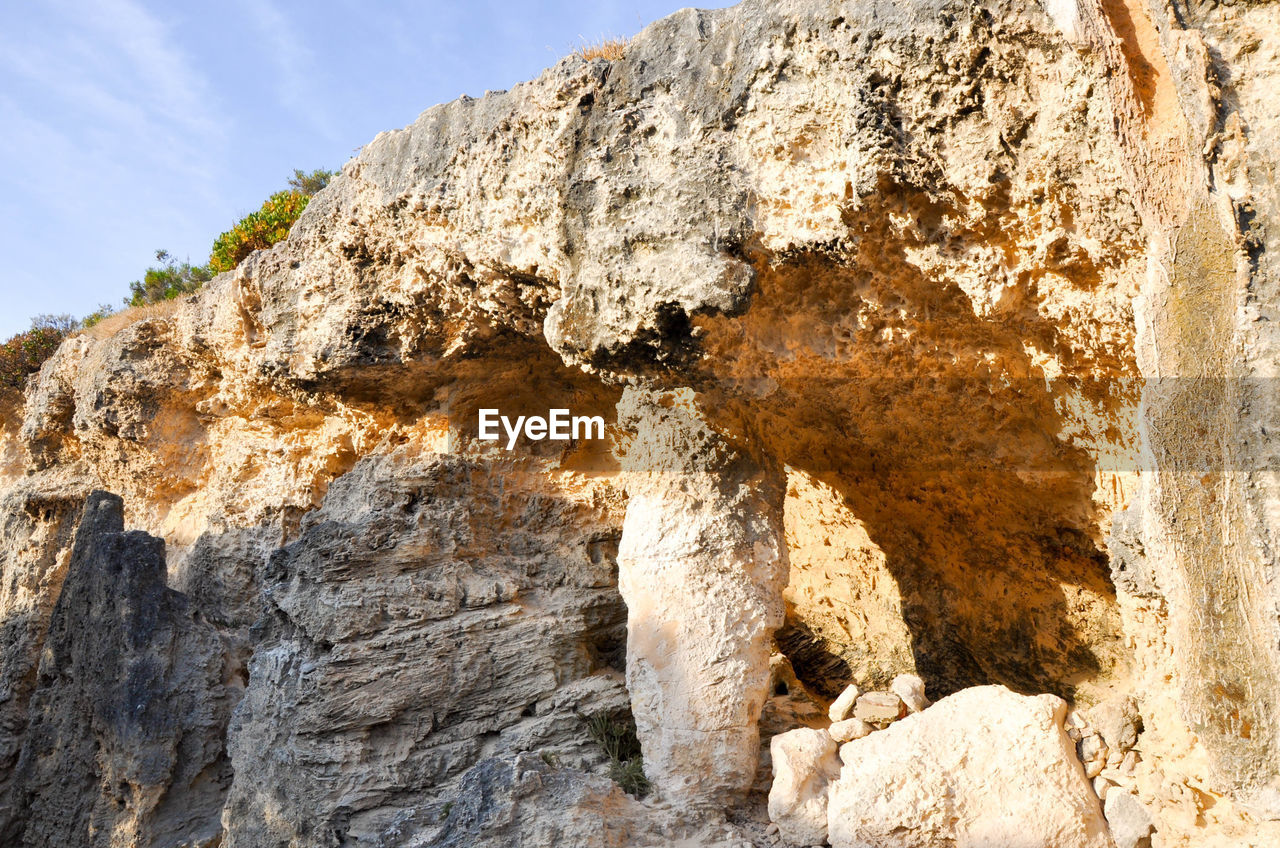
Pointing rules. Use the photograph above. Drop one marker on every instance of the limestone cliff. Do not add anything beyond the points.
(931, 337)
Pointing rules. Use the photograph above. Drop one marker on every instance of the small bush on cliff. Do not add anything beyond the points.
(270, 224)
(609, 48)
(258, 230)
(616, 736)
(168, 280)
(24, 353)
(104, 310)
(312, 183)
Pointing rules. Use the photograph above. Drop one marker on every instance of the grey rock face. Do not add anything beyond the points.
(523, 801)
(1130, 567)
(127, 721)
(432, 613)
(37, 527)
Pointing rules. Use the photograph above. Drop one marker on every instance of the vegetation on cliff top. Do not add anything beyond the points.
(608, 48)
(166, 281)
(24, 353)
(258, 230)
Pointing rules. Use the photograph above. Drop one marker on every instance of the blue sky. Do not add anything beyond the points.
(132, 125)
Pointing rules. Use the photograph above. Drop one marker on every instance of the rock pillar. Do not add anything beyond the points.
(702, 566)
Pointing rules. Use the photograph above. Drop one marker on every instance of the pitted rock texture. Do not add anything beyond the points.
(959, 282)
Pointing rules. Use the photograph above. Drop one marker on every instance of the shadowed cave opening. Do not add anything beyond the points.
(938, 519)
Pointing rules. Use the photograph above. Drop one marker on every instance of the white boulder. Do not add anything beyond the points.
(843, 705)
(984, 767)
(1130, 822)
(910, 689)
(849, 729)
(804, 763)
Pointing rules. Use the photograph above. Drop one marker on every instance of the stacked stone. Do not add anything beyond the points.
(1106, 737)
(855, 713)
(806, 760)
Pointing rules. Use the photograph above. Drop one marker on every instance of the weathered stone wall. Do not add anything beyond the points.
(948, 286)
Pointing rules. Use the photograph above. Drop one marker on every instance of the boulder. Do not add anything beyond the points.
(879, 707)
(1091, 748)
(804, 763)
(849, 729)
(981, 768)
(1129, 821)
(1118, 723)
(843, 704)
(910, 689)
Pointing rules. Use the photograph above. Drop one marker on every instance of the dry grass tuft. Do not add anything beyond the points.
(610, 48)
(117, 321)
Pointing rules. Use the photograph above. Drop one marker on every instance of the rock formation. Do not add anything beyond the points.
(124, 735)
(982, 767)
(932, 338)
(701, 569)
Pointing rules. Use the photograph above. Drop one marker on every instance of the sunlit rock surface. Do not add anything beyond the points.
(954, 284)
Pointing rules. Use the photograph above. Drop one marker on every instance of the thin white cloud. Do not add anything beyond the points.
(114, 144)
(296, 67)
(115, 85)
(127, 30)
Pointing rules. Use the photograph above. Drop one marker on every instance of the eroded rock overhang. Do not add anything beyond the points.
(958, 281)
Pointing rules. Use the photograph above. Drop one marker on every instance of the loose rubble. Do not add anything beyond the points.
(842, 706)
(849, 729)
(910, 689)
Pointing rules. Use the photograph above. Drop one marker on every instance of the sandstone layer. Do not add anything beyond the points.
(932, 338)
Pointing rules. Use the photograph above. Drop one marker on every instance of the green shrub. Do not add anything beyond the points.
(312, 183)
(93, 318)
(169, 280)
(23, 355)
(616, 736)
(258, 230)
